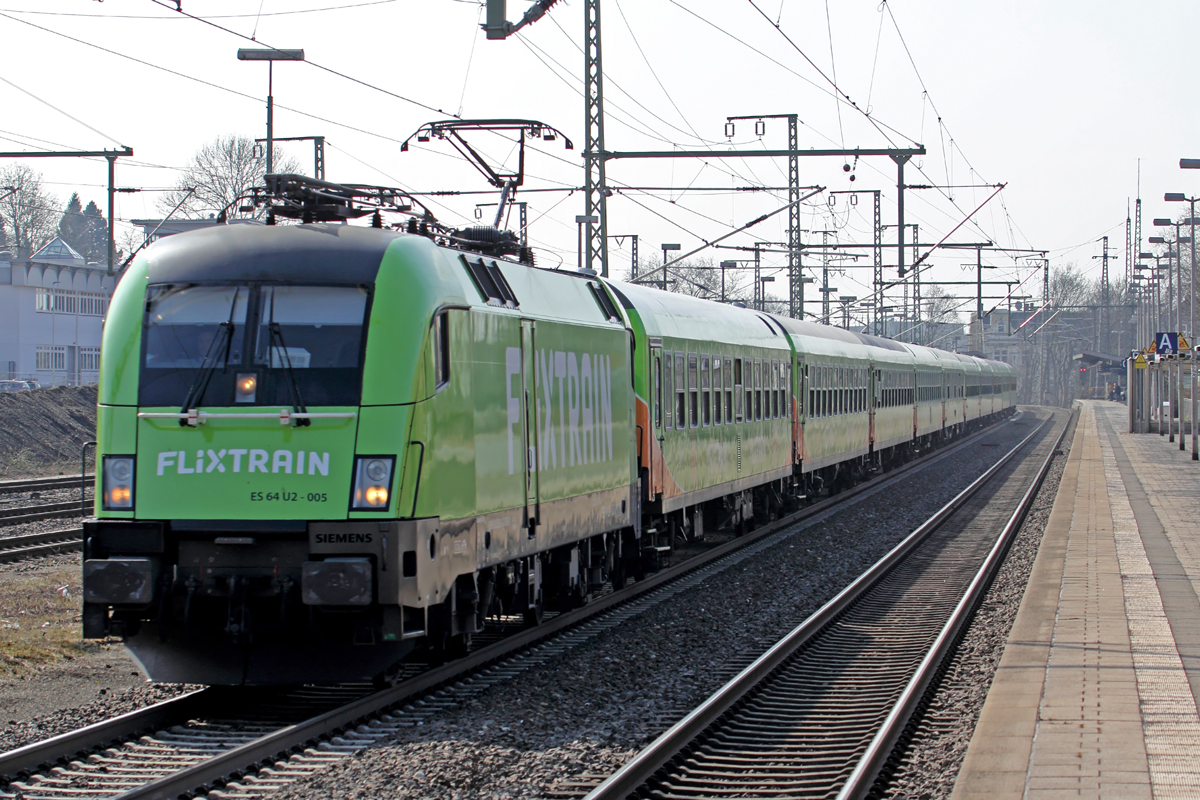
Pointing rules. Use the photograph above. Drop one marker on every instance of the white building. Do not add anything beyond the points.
(52, 308)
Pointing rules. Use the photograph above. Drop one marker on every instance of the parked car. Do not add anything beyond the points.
(14, 386)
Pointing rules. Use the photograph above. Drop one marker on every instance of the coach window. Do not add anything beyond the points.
(738, 383)
(777, 404)
(657, 392)
(717, 389)
(729, 390)
(680, 393)
(705, 390)
(775, 388)
(749, 388)
(786, 367)
(441, 349)
(758, 382)
(693, 392)
(668, 387)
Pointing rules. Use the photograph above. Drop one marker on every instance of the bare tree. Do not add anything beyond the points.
(28, 215)
(699, 277)
(221, 172)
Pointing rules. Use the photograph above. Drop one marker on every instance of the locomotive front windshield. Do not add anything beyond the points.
(198, 339)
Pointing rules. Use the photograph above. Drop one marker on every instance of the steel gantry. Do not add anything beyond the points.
(595, 192)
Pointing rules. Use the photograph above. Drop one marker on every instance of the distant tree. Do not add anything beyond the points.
(85, 229)
(221, 172)
(698, 277)
(28, 214)
(71, 226)
(94, 246)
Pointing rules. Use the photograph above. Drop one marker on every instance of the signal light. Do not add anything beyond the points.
(246, 388)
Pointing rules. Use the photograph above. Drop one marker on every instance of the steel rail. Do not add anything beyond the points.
(48, 752)
(636, 772)
(278, 745)
(860, 782)
(15, 548)
(15, 515)
(32, 484)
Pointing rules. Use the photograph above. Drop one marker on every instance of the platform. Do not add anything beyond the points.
(1096, 693)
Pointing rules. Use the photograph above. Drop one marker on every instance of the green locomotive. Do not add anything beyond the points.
(323, 445)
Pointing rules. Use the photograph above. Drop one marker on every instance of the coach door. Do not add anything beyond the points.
(529, 424)
(653, 459)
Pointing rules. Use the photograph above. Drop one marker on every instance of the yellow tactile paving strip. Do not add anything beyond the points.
(1091, 698)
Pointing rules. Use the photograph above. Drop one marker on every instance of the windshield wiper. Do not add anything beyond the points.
(223, 340)
(297, 403)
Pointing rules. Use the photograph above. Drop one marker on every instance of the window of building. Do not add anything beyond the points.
(89, 359)
(51, 357)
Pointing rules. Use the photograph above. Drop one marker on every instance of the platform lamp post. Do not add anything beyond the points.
(270, 55)
(1180, 197)
(1155, 322)
(846, 300)
(762, 291)
(1171, 323)
(724, 266)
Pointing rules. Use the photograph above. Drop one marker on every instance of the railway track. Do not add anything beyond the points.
(185, 745)
(15, 548)
(38, 484)
(820, 712)
(18, 514)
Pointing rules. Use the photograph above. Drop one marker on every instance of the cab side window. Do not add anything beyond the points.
(441, 349)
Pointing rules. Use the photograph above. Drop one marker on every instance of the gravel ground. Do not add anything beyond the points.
(26, 498)
(928, 765)
(40, 526)
(589, 711)
(64, 683)
(41, 431)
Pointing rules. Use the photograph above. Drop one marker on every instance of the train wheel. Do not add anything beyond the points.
(534, 614)
(617, 576)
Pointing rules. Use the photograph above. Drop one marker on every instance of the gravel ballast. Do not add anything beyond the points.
(548, 731)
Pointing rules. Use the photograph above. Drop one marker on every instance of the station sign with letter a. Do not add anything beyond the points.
(1166, 343)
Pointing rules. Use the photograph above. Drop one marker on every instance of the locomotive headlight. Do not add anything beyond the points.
(372, 482)
(246, 388)
(117, 483)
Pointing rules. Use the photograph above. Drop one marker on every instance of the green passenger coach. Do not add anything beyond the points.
(322, 446)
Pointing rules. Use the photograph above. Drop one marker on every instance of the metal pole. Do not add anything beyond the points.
(878, 265)
(595, 201)
(795, 265)
(1177, 394)
(1170, 376)
(758, 287)
(1192, 326)
(916, 324)
(112, 191)
(270, 117)
(900, 161)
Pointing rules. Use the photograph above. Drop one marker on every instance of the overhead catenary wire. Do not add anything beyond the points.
(314, 64)
(69, 116)
(193, 78)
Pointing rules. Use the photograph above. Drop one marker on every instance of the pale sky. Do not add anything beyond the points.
(1057, 100)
